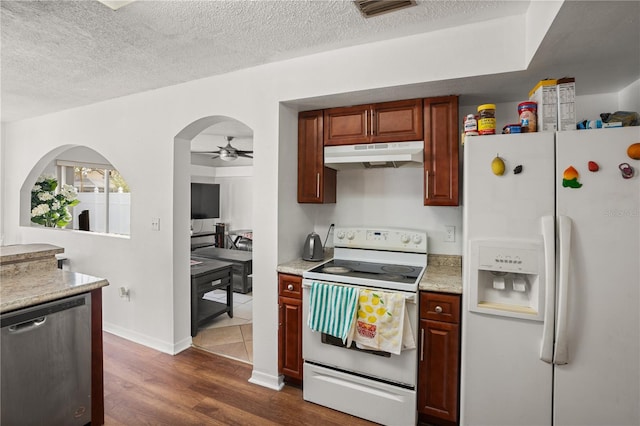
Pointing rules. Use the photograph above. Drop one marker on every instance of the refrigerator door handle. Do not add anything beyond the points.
(548, 237)
(561, 355)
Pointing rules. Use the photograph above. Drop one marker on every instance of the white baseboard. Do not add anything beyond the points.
(267, 380)
(159, 345)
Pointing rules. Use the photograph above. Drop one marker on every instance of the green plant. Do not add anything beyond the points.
(49, 208)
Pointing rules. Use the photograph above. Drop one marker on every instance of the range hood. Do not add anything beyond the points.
(374, 155)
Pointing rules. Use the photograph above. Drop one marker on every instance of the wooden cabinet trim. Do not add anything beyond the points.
(97, 365)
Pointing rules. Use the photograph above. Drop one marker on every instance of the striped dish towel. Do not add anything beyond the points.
(332, 309)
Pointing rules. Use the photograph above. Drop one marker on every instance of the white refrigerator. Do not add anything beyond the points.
(551, 280)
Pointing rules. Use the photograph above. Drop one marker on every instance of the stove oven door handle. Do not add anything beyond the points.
(407, 297)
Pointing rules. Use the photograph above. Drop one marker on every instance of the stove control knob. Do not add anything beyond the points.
(405, 239)
(350, 235)
(340, 235)
(417, 239)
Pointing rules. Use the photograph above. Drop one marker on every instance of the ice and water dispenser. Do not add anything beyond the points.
(507, 278)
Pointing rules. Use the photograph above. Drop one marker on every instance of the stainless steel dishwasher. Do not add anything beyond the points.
(46, 364)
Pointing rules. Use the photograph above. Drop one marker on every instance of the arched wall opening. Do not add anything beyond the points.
(182, 223)
(64, 164)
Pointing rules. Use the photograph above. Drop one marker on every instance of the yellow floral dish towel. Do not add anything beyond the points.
(382, 323)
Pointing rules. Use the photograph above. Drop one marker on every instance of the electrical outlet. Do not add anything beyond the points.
(450, 234)
(155, 223)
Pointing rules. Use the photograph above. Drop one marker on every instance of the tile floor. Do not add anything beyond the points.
(230, 337)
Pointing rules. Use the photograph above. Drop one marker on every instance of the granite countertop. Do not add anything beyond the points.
(25, 290)
(27, 252)
(443, 274)
(442, 278)
(30, 276)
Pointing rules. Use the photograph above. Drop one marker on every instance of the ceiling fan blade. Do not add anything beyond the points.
(244, 154)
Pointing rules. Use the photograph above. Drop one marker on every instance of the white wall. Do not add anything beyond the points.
(629, 97)
(390, 198)
(146, 137)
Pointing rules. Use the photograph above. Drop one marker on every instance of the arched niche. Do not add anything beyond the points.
(49, 165)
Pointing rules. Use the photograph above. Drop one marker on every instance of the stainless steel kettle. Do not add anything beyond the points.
(312, 249)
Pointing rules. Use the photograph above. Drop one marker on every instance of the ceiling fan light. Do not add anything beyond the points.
(228, 156)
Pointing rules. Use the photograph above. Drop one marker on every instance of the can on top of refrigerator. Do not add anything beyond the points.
(528, 112)
(487, 121)
(471, 124)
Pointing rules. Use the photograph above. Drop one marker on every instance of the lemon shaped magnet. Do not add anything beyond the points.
(497, 166)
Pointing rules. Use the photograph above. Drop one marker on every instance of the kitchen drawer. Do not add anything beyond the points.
(290, 286)
(440, 307)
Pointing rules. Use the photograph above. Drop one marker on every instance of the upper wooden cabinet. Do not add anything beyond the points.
(441, 161)
(434, 120)
(316, 183)
(383, 122)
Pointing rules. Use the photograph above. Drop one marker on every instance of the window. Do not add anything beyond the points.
(105, 199)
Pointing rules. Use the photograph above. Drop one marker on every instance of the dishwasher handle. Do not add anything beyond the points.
(26, 326)
(37, 313)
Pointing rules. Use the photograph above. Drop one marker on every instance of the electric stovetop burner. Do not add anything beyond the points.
(336, 269)
(370, 270)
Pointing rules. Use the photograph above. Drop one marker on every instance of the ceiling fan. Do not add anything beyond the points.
(229, 153)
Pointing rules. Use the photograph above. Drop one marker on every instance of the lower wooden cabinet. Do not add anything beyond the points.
(290, 327)
(439, 358)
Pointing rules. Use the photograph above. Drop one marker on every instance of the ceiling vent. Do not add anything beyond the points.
(370, 8)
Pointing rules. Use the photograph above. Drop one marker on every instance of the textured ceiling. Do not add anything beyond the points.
(62, 54)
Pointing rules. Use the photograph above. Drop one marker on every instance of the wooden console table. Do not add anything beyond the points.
(242, 264)
(206, 276)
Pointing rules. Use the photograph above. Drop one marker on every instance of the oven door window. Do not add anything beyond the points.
(336, 341)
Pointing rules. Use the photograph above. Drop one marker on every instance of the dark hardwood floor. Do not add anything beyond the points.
(146, 387)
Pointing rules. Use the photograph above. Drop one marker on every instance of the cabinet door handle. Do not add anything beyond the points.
(317, 185)
(426, 184)
(290, 287)
(422, 344)
(372, 124)
(366, 122)
(438, 309)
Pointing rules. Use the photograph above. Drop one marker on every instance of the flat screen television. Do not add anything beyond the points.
(205, 201)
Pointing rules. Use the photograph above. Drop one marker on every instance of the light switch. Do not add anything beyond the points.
(155, 224)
